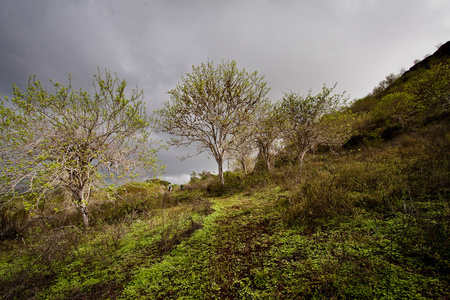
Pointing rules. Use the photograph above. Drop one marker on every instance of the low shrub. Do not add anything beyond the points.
(202, 183)
(13, 222)
(256, 181)
(233, 184)
(313, 201)
(16, 221)
(392, 179)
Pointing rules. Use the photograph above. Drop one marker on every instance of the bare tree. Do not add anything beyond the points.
(69, 139)
(211, 107)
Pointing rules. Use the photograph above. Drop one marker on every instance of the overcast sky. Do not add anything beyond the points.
(298, 45)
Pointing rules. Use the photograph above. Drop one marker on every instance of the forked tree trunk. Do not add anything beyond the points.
(264, 150)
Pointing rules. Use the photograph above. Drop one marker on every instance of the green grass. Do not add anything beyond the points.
(245, 251)
(371, 221)
(369, 224)
(242, 250)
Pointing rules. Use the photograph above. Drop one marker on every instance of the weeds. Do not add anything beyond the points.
(359, 225)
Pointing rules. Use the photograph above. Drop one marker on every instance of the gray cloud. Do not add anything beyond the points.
(297, 45)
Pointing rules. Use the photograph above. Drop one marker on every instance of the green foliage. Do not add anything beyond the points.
(399, 107)
(257, 181)
(13, 222)
(311, 120)
(233, 184)
(364, 105)
(66, 139)
(157, 181)
(418, 97)
(264, 135)
(211, 107)
(432, 88)
(66, 262)
(242, 249)
(201, 182)
(212, 186)
(135, 200)
(382, 183)
(318, 200)
(242, 252)
(370, 221)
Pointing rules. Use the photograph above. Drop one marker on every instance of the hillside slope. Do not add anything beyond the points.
(370, 220)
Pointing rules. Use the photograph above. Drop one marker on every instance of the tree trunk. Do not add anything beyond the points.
(264, 149)
(220, 165)
(81, 203)
(301, 159)
(84, 214)
(267, 158)
(243, 165)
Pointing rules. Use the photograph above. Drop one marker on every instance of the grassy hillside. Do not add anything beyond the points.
(370, 220)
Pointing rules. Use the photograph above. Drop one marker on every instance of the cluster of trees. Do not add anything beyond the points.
(72, 141)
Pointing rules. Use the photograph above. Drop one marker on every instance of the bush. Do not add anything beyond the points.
(13, 222)
(127, 201)
(392, 179)
(53, 212)
(202, 183)
(256, 181)
(398, 108)
(318, 199)
(216, 189)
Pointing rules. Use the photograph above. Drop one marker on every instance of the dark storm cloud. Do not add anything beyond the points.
(297, 45)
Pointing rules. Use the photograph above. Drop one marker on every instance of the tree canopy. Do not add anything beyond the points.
(213, 107)
(69, 139)
(307, 121)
